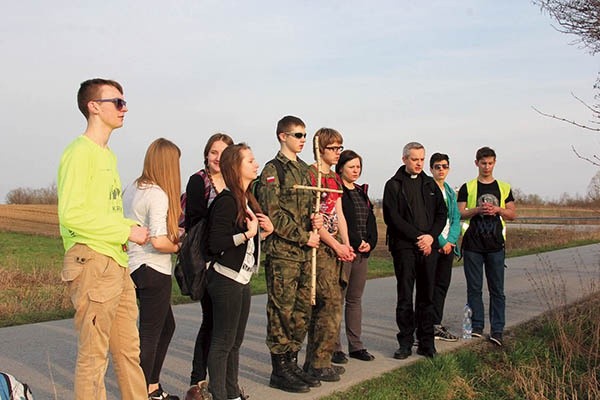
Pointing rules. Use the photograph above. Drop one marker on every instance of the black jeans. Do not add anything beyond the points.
(412, 266)
(153, 289)
(443, 275)
(199, 363)
(231, 307)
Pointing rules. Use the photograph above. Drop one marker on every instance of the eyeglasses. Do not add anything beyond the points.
(337, 149)
(297, 135)
(119, 103)
(441, 166)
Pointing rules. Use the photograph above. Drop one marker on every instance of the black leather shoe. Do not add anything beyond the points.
(402, 353)
(339, 357)
(362, 355)
(426, 352)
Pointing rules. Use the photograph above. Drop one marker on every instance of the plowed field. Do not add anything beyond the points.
(29, 218)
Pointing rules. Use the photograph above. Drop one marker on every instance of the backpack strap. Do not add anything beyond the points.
(207, 182)
(279, 167)
(183, 197)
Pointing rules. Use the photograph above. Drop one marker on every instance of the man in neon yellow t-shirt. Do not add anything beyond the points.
(95, 235)
(485, 203)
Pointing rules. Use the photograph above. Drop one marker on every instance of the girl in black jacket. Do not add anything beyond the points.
(201, 190)
(234, 219)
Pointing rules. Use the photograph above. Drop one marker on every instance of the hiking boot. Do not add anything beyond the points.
(339, 357)
(339, 369)
(160, 394)
(199, 391)
(283, 378)
(440, 332)
(402, 353)
(292, 363)
(362, 355)
(496, 338)
(477, 333)
(327, 374)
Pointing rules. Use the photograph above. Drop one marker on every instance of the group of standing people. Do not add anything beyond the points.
(105, 231)
(300, 237)
(422, 215)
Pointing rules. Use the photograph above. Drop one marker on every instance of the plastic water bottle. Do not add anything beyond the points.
(467, 327)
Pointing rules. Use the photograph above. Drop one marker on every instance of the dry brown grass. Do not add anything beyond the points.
(39, 219)
(36, 292)
(547, 211)
(569, 365)
(570, 368)
(545, 239)
(523, 238)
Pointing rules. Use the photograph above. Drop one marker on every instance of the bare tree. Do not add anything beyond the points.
(582, 19)
(47, 195)
(576, 17)
(594, 187)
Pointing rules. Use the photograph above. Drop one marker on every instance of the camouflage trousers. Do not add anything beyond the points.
(288, 304)
(327, 312)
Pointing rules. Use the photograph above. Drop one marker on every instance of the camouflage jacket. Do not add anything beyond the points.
(289, 209)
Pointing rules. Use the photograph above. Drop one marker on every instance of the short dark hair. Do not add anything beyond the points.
(485, 152)
(435, 157)
(90, 90)
(288, 122)
(345, 156)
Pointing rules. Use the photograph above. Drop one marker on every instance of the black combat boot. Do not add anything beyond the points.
(283, 378)
(327, 374)
(292, 360)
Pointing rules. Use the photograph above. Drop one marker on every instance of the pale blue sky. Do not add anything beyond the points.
(453, 75)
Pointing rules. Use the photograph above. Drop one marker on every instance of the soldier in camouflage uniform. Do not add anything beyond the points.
(327, 313)
(287, 265)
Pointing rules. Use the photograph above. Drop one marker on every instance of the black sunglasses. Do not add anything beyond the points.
(119, 103)
(441, 166)
(297, 135)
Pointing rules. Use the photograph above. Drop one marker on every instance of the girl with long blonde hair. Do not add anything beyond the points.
(153, 201)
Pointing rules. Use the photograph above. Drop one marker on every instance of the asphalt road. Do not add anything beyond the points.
(43, 354)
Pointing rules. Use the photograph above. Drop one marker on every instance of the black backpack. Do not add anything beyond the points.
(191, 266)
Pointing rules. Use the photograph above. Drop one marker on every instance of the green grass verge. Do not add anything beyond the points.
(28, 252)
(538, 361)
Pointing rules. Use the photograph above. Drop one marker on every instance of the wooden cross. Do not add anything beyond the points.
(318, 190)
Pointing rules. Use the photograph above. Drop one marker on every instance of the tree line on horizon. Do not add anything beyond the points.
(49, 195)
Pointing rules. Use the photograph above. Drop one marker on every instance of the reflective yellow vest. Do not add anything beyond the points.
(472, 201)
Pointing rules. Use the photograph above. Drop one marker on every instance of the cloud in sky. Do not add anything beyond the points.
(454, 75)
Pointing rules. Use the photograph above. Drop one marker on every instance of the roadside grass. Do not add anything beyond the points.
(554, 356)
(31, 289)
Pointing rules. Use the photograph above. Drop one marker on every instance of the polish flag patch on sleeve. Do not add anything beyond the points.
(270, 179)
